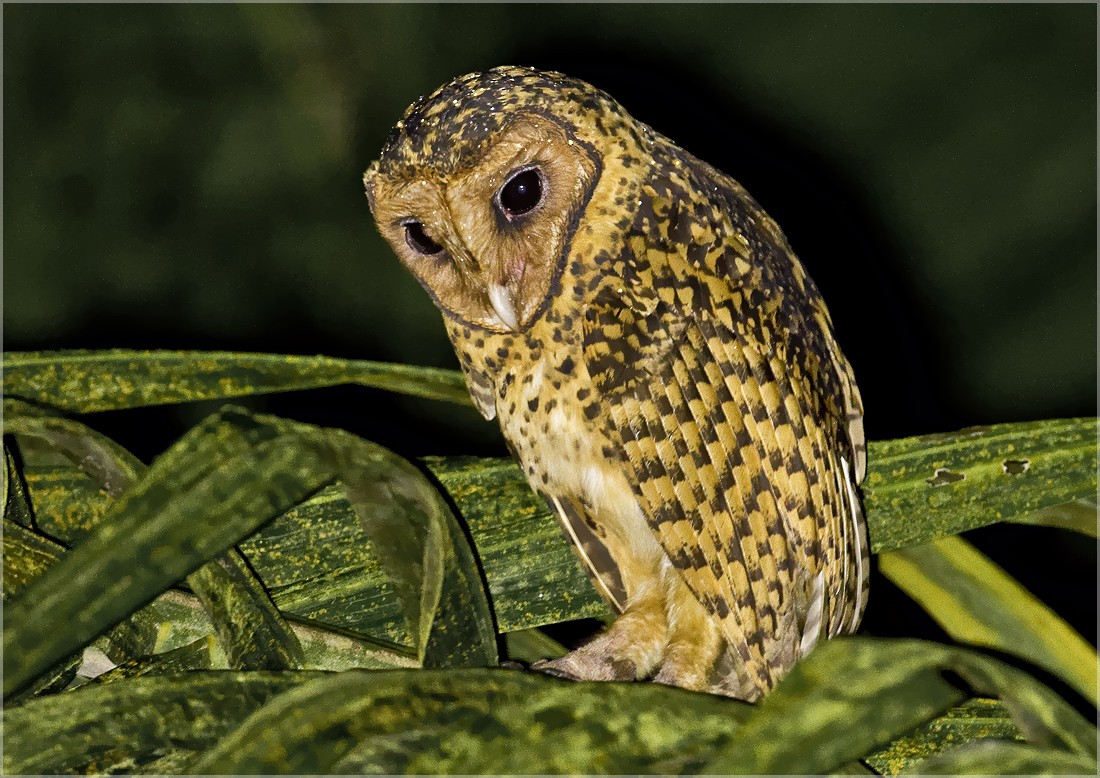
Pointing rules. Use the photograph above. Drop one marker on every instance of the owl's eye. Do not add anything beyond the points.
(521, 194)
(418, 239)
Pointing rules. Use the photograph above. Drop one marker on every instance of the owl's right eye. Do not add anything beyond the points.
(419, 240)
(521, 194)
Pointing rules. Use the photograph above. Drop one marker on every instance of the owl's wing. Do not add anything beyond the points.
(742, 461)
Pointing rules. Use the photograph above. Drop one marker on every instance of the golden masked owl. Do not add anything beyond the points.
(661, 366)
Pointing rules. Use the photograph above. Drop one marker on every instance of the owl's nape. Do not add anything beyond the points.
(660, 363)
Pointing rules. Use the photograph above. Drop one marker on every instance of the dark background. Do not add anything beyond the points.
(189, 177)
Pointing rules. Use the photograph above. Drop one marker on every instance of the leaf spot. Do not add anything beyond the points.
(943, 476)
(1015, 466)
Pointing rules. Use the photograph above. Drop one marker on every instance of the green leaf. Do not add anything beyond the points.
(319, 565)
(531, 645)
(854, 695)
(1077, 516)
(252, 632)
(975, 719)
(315, 560)
(27, 555)
(846, 698)
(219, 483)
(1043, 717)
(201, 654)
(87, 381)
(993, 758)
(533, 575)
(68, 503)
(475, 721)
(127, 725)
(967, 479)
(97, 455)
(423, 550)
(977, 602)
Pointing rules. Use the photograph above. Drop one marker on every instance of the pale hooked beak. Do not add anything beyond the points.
(501, 298)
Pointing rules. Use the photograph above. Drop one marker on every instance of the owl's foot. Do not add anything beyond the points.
(630, 649)
(575, 667)
(697, 657)
(694, 642)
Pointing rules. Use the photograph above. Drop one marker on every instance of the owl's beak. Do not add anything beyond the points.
(500, 297)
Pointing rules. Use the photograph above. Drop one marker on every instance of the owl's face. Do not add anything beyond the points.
(481, 185)
(486, 241)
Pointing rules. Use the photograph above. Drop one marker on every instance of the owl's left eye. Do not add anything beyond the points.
(521, 194)
(419, 240)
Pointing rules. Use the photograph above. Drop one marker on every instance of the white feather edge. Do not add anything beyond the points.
(853, 517)
(565, 522)
(812, 630)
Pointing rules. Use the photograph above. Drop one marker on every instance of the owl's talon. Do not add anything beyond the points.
(547, 667)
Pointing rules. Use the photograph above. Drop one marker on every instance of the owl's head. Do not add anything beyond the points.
(481, 186)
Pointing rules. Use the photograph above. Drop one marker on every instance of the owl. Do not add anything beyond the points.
(660, 364)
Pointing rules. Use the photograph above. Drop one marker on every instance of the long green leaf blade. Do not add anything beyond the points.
(1005, 759)
(919, 489)
(88, 381)
(534, 578)
(97, 455)
(422, 548)
(977, 602)
(854, 695)
(252, 631)
(845, 699)
(976, 719)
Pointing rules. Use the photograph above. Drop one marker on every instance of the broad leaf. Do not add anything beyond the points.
(476, 721)
(127, 726)
(854, 695)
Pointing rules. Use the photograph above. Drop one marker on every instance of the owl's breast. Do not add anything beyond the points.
(549, 418)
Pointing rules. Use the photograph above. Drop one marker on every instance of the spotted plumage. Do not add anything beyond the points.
(660, 364)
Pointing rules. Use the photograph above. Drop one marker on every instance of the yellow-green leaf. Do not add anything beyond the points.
(977, 602)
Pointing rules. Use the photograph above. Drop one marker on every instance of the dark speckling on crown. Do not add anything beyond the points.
(450, 128)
